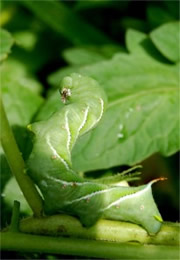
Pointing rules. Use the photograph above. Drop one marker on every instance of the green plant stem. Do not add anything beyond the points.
(14, 226)
(17, 165)
(64, 225)
(89, 248)
(66, 22)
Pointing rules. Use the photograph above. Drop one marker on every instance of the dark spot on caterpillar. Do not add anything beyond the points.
(64, 186)
(61, 229)
(74, 184)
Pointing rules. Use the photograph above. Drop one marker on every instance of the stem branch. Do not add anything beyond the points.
(17, 165)
(14, 226)
(116, 231)
(89, 248)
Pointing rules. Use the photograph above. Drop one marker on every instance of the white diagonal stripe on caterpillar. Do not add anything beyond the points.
(84, 119)
(56, 154)
(68, 183)
(90, 195)
(129, 196)
(101, 112)
(68, 132)
(65, 183)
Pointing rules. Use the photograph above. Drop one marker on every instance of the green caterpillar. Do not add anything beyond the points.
(63, 189)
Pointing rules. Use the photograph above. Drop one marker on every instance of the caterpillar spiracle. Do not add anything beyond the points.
(64, 190)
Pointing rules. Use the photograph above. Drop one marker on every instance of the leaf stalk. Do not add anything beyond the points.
(17, 165)
(82, 247)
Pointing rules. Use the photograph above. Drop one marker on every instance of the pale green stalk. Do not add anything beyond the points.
(64, 225)
(17, 165)
(14, 227)
(82, 247)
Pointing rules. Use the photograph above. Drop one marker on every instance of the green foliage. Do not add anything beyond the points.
(157, 16)
(168, 46)
(143, 102)
(87, 55)
(66, 22)
(133, 23)
(80, 56)
(81, 5)
(15, 73)
(21, 102)
(12, 190)
(20, 92)
(26, 39)
(6, 42)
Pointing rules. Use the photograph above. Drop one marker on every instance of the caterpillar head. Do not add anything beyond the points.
(65, 91)
(81, 89)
